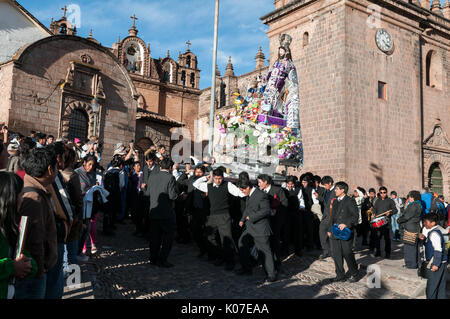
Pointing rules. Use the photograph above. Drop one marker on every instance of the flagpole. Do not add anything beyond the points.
(213, 85)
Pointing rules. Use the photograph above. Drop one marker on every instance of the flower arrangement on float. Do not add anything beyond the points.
(251, 125)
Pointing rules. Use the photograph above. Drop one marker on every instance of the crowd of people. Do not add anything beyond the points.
(63, 189)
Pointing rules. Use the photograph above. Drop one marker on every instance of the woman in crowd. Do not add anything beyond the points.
(88, 179)
(11, 191)
(410, 221)
(73, 183)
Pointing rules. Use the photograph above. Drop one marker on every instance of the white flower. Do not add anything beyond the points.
(265, 134)
(262, 140)
(280, 151)
(273, 135)
(256, 133)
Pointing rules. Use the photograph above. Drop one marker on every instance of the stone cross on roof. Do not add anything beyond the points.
(134, 20)
(188, 44)
(64, 10)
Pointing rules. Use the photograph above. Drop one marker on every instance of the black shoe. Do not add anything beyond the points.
(388, 256)
(219, 262)
(268, 280)
(353, 279)
(338, 279)
(298, 253)
(165, 264)
(323, 256)
(211, 258)
(243, 272)
(229, 267)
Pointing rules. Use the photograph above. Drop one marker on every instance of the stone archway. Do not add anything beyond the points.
(442, 161)
(67, 114)
(435, 179)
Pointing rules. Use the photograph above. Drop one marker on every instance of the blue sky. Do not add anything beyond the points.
(168, 24)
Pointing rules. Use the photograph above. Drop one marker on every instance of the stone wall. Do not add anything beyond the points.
(36, 102)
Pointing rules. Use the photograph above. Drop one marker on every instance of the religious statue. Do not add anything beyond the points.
(281, 94)
(268, 116)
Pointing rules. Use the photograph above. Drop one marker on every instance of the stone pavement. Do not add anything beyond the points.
(120, 270)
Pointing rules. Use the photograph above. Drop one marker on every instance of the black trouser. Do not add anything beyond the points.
(112, 209)
(340, 250)
(162, 233)
(295, 230)
(198, 230)
(224, 247)
(364, 228)
(376, 234)
(308, 228)
(280, 241)
(138, 216)
(436, 284)
(182, 222)
(324, 239)
(411, 255)
(262, 243)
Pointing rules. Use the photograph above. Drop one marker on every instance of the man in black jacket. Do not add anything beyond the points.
(344, 212)
(196, 205)
(219, 220)
(383, 205)
(325, 201)
(257, 230)
(162, 215)
(150, 167)
(279, 220)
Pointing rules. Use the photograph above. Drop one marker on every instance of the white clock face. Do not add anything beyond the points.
(384, 40)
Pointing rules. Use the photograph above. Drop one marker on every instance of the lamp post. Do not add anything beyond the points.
(213, 85)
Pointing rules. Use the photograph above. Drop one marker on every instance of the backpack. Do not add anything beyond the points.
(111, 183)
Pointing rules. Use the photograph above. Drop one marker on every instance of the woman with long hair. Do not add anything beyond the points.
(11, 192)
(88, 179)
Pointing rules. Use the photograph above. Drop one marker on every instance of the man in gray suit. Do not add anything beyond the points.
(162, 215)
(257, 231)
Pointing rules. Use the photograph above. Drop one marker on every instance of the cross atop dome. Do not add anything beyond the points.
(188, 44)
(133, 31)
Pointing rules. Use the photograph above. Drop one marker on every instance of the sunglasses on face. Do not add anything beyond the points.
(382, 192)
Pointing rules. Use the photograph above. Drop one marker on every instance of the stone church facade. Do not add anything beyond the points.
(368, 116)
(74, 87)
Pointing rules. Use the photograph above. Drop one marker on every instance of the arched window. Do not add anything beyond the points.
(433, 70)
(183, 78)
(78, 125)
(63, 29)
(192, 80)
(305, 39)
(188, 61)
(435, 181)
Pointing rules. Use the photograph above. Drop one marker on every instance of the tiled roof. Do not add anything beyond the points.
(143, 114)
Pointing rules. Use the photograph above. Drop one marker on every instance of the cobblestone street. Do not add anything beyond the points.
(120, 270)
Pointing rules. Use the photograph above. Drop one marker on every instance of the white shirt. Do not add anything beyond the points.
(314, 198)
(176, 174)
(202, 185)
(267, 190)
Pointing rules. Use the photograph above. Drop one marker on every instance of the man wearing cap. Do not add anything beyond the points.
(13, 161)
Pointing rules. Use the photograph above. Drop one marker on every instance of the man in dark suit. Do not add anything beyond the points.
(279, 220)
(197, 206)
(325, 201)
(257, 232)
(150, 168)
(344, 212)
(162, 215)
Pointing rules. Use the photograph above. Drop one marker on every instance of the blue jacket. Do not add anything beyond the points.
(426, 202)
